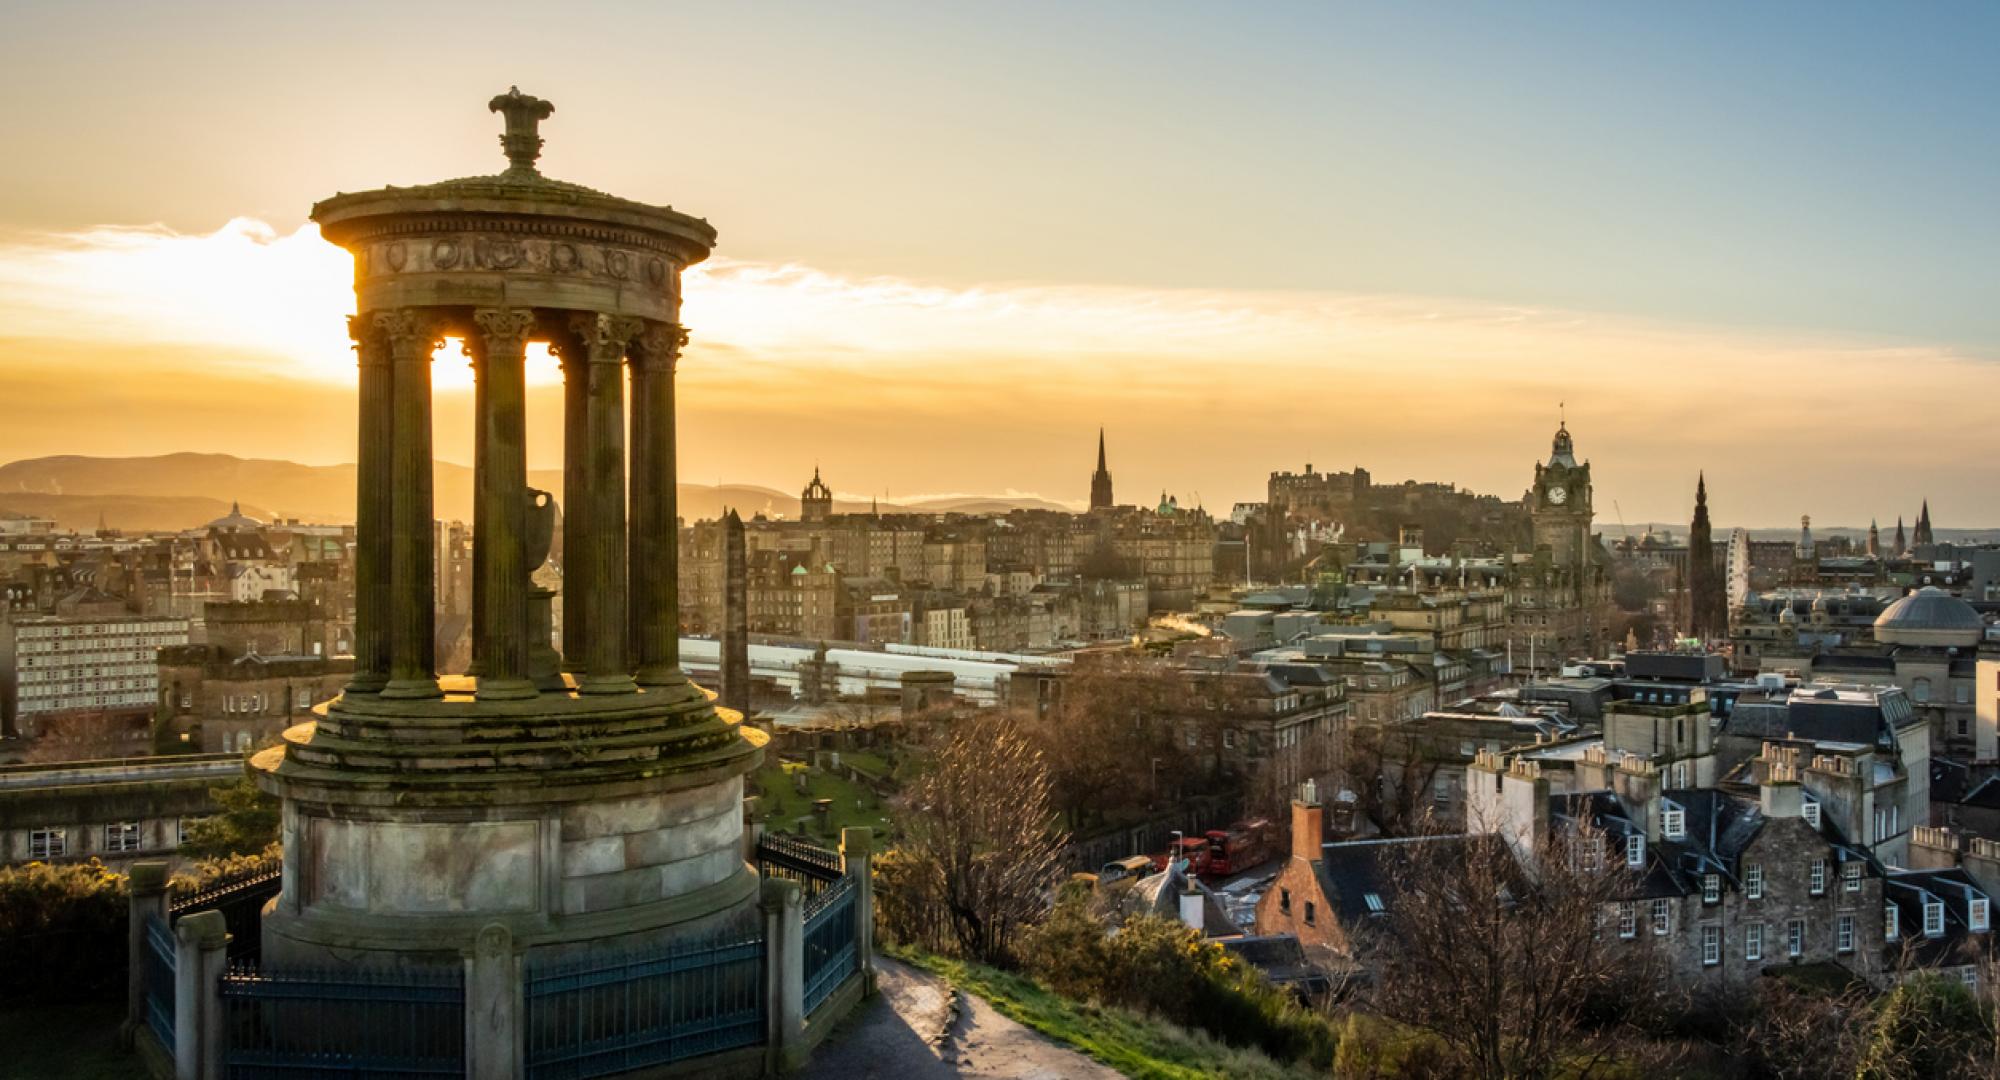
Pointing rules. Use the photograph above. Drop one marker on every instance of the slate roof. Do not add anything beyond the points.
(1351, 871)
(1959, 945)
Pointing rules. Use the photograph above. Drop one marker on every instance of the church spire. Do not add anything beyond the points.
(1100, 481)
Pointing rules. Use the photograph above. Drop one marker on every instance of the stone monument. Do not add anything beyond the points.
(591, 800)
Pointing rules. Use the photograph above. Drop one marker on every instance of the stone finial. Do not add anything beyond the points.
(522, 142)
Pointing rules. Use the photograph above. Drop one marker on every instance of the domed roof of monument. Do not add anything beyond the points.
(1930, 616)
(519, 189)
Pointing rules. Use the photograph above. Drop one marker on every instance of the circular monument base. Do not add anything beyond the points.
(574, 821)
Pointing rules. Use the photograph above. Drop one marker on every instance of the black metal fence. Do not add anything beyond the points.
(815, 868)
(321, 1026)
(604, 1015)
(831, 942)
(241, 901)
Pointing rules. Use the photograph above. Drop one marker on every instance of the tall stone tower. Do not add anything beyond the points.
(816, 501)
(552, 805)
(1708, 615)
(1559, 505)
(1100, 481)
(1923, 536)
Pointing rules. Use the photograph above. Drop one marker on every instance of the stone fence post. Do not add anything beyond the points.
(493, 1006)
(148, 893)
(201, 956)
(857, 851)
(784, 975)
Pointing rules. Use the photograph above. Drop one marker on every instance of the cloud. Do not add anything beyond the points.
(918, 386)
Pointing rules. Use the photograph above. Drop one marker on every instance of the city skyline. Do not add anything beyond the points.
(1161, 265)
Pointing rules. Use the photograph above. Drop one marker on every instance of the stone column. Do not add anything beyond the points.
(655, 508)
(479, 430)
(603, 340)
(500, 515)
(201, 956)
(784, 975)
(148, 890)
(857, 851)
(413, 337)
(374, 489)
(493, 1013)
(576, 550)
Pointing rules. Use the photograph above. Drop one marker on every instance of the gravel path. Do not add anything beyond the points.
(907, 1033)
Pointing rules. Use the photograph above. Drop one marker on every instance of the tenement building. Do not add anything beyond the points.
(98, 667)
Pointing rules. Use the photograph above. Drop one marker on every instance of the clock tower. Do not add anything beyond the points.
(1559, 504)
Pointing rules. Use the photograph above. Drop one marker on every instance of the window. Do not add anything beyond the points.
(1441, 790)
(1675, 824)
(1628, 919)
(1374, 902)
(304, 699)
(1810, 811)
(180, 831)
(1933, 918)
(1663, 917)
(1229, 739)
(1711, 888)
(1309, 913)
(1920, 690)
(1680, 774)
(1844, 934)
(1193, 740)
(1285, 901)
(48, 843)
(1635, 850)
(1979, 914)
(1753, 881)
(1711, 946)
(1819, 877)
(1892, 927)
(122, 836)
(1850, 875)
(1753, 941)
(1795, 938)
(1970, 977)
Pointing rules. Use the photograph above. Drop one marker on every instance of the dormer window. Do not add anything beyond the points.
(1979, 914)
(1374, 902)
(1635, 850)
(1933, 918)
(1810, 811)
(1674, 823)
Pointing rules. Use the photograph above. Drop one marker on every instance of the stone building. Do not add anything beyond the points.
(262, 670)
(1100, 481)
(1559, 596)
(114, 811)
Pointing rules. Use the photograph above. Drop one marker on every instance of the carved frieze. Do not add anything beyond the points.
(499, 253)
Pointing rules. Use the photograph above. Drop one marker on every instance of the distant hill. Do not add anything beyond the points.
(184, 491)
(1888, 532)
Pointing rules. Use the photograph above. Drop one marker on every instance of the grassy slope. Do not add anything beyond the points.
(1142, 1047)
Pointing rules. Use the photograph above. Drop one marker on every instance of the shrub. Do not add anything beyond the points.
(1928, 1027)
(62, 930)
(1158, 966)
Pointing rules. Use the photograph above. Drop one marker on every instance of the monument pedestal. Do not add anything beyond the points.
(607, 822)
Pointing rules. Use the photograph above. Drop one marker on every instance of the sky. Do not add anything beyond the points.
(1755, 240)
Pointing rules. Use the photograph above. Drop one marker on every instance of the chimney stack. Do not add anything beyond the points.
(1308, 823)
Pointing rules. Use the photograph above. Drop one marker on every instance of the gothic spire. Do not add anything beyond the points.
(1100, 451)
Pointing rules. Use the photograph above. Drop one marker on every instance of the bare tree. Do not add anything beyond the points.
(979, 844)
(1391, 774)
(1116, 724)
(1500, 961)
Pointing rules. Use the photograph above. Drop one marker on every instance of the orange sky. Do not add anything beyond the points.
(956, 241)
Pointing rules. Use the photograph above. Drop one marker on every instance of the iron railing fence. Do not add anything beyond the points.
(304, 1025)
(603, 1015)
(241, 901)
(831, 942)
(815, 868)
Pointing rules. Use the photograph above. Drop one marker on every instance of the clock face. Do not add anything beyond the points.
(1558, 496)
